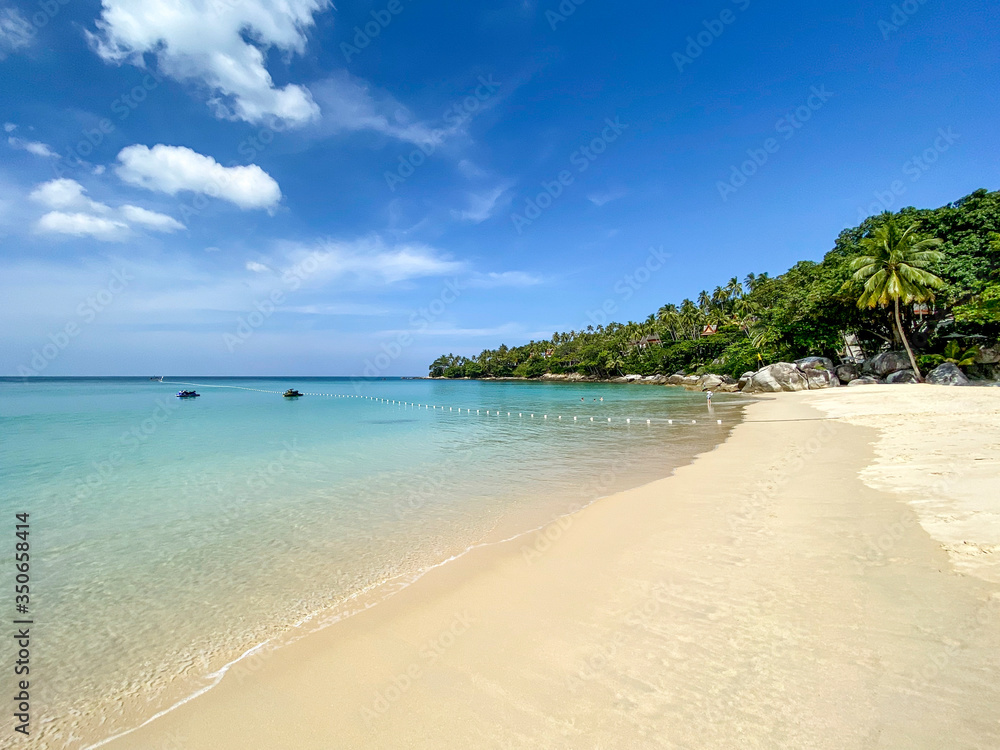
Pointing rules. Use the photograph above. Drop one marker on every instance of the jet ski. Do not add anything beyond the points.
(291, 393)
(187, 394)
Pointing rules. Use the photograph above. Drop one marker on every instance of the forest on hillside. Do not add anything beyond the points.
(811, 309)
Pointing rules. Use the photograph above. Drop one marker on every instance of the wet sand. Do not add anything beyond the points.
(781, 591)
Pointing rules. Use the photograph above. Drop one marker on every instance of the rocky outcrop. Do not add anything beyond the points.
(818, 379)
(902, 376)
(866, 380)
(847, 373)
(676, 379)
(711, 382)
(783, 376)
(988, 355)
(947, 374)
(690, 381)
(814, 363)
(744, 379)
(886, 363)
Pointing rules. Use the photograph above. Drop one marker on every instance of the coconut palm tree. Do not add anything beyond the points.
(894, 270)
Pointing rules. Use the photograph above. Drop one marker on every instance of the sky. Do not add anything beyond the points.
(253, 187)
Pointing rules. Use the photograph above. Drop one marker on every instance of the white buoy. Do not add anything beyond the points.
(694, 421)
(628, 421)
(609, 419)
(546, 416)
(719, 422)
(591, 419)
(648, 421)
(670, 421)
(574, 419)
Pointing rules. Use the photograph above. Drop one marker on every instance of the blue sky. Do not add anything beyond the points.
(226, 187)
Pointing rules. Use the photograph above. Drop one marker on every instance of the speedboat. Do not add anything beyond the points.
(187, 394)
(291, 393)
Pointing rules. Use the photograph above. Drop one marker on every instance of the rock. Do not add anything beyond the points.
(886, 363)
(711, 382)
(675, 380)
(988, 355)
(847, 373)
(783, 376)
(744, 379)
(866, 380)
(814, 363)
(690, 381)
(902, 376)
(619, 380)
(733, 388)
(819, 379)
(947, 374)
(632, 378)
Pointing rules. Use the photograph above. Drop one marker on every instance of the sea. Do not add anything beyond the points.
(170, 538)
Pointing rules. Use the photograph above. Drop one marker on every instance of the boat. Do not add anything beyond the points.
(291, 393)
(187, 394)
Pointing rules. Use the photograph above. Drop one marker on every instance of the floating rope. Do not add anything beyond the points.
(489, 412)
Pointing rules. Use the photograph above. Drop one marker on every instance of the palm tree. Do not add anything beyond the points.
(894, 269)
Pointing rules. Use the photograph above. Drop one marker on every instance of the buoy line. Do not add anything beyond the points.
(489, 412)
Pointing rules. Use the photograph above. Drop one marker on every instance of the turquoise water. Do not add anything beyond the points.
(169, 536)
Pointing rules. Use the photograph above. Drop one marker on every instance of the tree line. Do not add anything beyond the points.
(921, 280)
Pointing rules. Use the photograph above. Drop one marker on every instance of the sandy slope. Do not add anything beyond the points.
(745, 602)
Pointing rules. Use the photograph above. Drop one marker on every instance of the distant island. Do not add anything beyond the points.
(920, 287)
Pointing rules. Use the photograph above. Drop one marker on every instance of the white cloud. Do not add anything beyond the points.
(507, 278)
(351, 104)
(256, 267)
(172, 169)
(78, 215)
(367, 260)
(66, 194)
(9, 127)
(150, 219)
(601, 199)
(220, 45)
(482, 206)
(83, 225)
(15, 32)
(32, 147)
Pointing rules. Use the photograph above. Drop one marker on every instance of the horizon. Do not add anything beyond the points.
(372, 186)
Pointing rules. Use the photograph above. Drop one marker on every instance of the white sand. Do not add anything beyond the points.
(745, 602)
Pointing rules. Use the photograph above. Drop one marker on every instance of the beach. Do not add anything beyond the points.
(825, 578)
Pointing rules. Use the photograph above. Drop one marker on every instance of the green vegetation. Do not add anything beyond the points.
(895, 269)
(947, 259)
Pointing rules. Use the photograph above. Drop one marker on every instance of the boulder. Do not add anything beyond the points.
(818, 379)
(783, 376)
(711, 382)
(744, 379)
(691, 381)
(847, 373)
(947, 374)
(866, 380)
(814, 363)
(633, 378)
(675, 380)
(902, 376)
(988, 355)
(886, 363)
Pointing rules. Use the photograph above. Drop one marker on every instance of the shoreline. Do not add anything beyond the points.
(622, 571)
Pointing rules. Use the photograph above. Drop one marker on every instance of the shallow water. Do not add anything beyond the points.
(169, 536)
